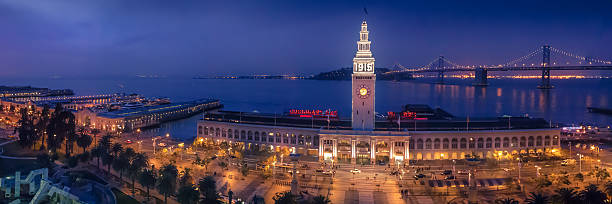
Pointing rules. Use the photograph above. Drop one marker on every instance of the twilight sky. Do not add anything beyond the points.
(186, 38)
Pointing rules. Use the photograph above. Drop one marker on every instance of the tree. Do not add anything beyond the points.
(137, 163)
(562, 179)
(601, 174)
(542, 182)
(95, 133)
(116, 149)
(26, 129)
(608, 188)
(107, 159)
(41, 125)
(244, 170)
(579, 178)
(592, 195)
(61, 126)
(84, 141)
(166, 184)
(208, 189)
(97, 152)
(44, 160)
(121, 163)
(147, 179)
(536, 198)
(284, 198)
(73, 161)
(565, 196)
(187, 195)
(320, 200)
(186, 178)
(506, 201)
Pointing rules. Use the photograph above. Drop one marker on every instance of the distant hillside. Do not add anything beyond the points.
(345, 74)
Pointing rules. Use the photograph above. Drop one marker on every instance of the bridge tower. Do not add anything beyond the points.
(480, 77)
(545, 68)
(440, 69)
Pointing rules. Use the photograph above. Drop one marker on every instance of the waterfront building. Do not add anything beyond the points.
(416, 133)
(125, 120)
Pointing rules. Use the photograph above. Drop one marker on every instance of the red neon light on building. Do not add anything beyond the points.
(313, 113)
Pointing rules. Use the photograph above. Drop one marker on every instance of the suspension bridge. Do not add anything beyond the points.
(442, 65)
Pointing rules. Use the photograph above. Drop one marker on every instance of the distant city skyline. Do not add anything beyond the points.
(118, 38)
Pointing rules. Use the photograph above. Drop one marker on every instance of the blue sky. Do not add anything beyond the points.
(186, 38)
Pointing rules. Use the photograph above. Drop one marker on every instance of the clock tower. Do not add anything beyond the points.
(364, 81)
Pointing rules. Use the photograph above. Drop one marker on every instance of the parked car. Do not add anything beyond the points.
(355, 171)
(447, 172)
(450, 177)
(419, 176)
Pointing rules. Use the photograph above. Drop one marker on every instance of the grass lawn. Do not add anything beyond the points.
(9, 166)
(123, 198)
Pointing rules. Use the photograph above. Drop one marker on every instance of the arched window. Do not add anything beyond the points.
(411, 144)
(217, 132)
(199, 130)
(454, 143)
(497, 142)
(223, 132)
(530, 141)
(514, 142)
(428, 143)
(547, 140)
(539, 141)
(230, 133)
(257, 136)
(205, 130)
(445, 143)
(472, 143)
(250, 136)
(489, 143)
(264, 137)
(556, 140)
(463, 143)
(278, 137)
(523, 142)
(437, 143)
(301, 139)
(480, 143)
(243, 135)
(293, 139)
(236, 134)
(419, 144)
(506, 142)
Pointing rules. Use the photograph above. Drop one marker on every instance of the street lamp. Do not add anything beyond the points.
(580, 161)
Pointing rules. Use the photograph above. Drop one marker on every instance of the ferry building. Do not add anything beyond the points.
(416, 132)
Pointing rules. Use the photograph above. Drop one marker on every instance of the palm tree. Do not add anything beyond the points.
(166, 184)
(565, 196)
(506, 201)
(284, 198)
(320, 200)
(536, 198)
(187, 195)
(208, 189)
(26, 129)
(107, 159)
(137, 163)
(121, 163)
(186, 179)
(42, 124)
(84, 141)
(592, 195)
(95, 133)
(97, 152)
(116, 148)
(147, 179)
(608, 188)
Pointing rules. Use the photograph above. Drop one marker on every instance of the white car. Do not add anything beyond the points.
(355, 171)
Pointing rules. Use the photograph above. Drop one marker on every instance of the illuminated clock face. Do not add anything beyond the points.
(363, 91)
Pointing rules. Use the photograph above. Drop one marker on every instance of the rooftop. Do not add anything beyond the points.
(154, 109)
